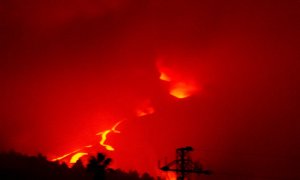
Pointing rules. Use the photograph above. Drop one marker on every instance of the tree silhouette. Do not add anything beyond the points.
(97, 166)
(146, 176)
(14, 165)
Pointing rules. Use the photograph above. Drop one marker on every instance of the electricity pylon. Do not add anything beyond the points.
(183, 165)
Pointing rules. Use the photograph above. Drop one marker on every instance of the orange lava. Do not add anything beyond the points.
(164, 77)
(165, 73)
(104, 136)
(183, 90)
(65, 155)
(171, 176)
(78, 153)
(145, 109)
(77, 156)
(181, 86)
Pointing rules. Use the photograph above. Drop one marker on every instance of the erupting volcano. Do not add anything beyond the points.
(179, 88)
(135, 79)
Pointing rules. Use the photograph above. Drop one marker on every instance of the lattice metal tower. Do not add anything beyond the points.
(183, 165)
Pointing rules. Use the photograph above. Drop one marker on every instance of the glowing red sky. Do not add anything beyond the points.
(71, 69)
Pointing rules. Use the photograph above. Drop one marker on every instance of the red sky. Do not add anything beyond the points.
(71, 69)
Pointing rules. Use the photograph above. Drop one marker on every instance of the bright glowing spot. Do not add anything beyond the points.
(88, 146)
(181, 84)
(166, 74)
(171, 176)
(104, 136)
(164, 77)
(77, 156)
(182, 90)
(109, 148)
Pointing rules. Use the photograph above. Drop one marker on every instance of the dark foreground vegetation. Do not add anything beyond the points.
(17, 166)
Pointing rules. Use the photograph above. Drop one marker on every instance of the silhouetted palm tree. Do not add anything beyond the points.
(98, 166)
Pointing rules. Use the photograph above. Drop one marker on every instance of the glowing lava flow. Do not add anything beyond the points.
(144, 109)
(65, 155)
(77, 156)
(180, 87)
(104, 136)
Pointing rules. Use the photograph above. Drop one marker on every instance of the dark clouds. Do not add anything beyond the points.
(70, 68)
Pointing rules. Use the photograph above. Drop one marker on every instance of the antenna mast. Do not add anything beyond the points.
(183, 165)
